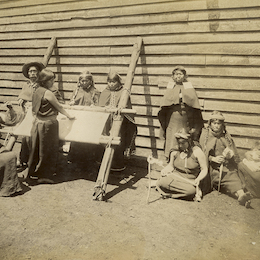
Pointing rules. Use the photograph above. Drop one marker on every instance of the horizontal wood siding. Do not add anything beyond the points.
(216, 40)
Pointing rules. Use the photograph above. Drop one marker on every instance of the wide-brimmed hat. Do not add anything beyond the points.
(26, 67)
(45, 75)
(181, 68)
(182, 134)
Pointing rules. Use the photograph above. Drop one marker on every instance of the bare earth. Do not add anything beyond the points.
(61, 221)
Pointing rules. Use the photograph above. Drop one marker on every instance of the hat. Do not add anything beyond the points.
(45, 75)
(216, 115)
(26, 67)
(181, 68)
(182, 134)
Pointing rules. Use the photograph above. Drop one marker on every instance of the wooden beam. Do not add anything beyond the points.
(101, 183)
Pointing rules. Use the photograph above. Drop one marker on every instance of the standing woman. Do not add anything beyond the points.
(179, 109)
(44, 132)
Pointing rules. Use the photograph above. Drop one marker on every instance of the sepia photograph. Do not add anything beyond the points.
(129, 130)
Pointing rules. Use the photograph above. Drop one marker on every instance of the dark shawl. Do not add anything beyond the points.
(192, 106)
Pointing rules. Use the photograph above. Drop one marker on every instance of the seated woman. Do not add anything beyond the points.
(223, 158)
(85, 94)
(44, 133)
(249, 171)
(186, 170)
(110, 96)
(9, 183)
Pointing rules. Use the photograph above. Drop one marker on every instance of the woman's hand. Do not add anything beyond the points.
(218, 159)
(197, 181)
(166, 170)
(71, 117)
(72, 103)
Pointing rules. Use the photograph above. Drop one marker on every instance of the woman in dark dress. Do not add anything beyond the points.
(223, 158)
(44, 133)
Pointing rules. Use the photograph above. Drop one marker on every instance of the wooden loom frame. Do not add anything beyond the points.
(118, 114)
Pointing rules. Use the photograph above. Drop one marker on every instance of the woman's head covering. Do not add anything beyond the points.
(182, 134)
(45, 75)
(27, 66)
(181, 68)
(85, 74)
(216, 115)
(88, 75)
(114, 75)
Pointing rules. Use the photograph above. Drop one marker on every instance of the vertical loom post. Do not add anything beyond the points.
(101, 183)
(45, 61)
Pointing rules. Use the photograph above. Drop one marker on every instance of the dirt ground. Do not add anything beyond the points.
(61, 221)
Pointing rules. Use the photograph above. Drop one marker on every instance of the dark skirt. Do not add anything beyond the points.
(9, 183)
(44, 148)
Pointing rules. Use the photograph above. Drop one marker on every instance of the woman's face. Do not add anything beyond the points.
(85, 82)
(216, 125)
(112, 83)
(183, 144)
(178, 76)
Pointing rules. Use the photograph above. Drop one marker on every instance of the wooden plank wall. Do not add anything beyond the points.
(216, 40)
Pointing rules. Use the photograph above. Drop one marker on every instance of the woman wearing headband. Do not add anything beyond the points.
(186, 170)
(223, 158)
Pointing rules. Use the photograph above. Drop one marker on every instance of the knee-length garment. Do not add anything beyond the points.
(213, 145)
(179, 109)
(128, 129)
(9, 183)
(176, 183)
(44, 137)
(82, 152)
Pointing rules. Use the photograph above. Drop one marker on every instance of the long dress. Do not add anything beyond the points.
(176, 183)
(44, 137)
(213, 145)
(179, 109)
(26, 95)
(128, 129)
(9, 183)
(81, 152)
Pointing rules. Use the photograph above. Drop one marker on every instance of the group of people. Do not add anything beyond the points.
(199, 158)
(39, 152)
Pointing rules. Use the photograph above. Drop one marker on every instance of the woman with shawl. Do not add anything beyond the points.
(223, 158)
(179, 109)
(85, 94)
(110, 97)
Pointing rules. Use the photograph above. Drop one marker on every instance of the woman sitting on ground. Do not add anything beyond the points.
(223, 158)
(44, 133)
(186, 169)
(9, 182)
